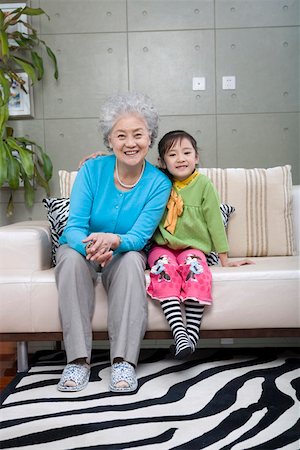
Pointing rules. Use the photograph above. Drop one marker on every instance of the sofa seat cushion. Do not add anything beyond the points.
(264, 295)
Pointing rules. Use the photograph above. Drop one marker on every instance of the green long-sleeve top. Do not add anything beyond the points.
(200, 225)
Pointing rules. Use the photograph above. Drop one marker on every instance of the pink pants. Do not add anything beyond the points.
(179, 274)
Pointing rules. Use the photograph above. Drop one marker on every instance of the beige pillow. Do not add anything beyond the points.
(262, 222)
(66, 181)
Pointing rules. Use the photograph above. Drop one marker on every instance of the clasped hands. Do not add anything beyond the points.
(100, 247)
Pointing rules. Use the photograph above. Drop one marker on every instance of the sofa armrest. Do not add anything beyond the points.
(25, 245)
(296, 217)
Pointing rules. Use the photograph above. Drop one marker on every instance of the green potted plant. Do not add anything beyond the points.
(23, 163)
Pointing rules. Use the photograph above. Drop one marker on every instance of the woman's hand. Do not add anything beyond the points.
(100, 247)
(91, 156)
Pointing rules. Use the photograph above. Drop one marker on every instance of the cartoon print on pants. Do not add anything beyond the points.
(195, 267)
(159, 268)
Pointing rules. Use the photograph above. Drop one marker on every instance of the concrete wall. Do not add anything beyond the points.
(157, 47)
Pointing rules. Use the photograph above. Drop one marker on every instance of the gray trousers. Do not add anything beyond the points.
(124, 281)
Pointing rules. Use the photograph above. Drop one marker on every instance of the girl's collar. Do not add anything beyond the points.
(179, 184)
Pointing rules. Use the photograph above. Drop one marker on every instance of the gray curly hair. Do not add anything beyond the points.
(130, 102)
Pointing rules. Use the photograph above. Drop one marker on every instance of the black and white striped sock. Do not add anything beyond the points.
(173, 314)
(194, 313)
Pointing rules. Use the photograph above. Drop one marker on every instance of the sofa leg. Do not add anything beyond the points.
(22, 356)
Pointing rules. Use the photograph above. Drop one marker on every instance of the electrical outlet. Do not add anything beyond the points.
(199, 84)
(228, 82)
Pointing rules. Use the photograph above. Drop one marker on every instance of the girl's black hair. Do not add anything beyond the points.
(168, 140)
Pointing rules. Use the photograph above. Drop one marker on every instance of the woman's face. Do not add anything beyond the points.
(129, 139)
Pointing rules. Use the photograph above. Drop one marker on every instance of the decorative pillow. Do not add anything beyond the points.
(263, 225)
(66, 181)
(57, 214)
(226, 211)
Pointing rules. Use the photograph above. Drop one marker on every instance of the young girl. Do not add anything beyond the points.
(191, 227)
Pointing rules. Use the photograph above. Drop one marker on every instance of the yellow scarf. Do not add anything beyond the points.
(180, 184)
(175, 209)
(175, 203)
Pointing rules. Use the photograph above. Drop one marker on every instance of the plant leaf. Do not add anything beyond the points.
(3, 164)
(13, 16)
(4, 46)
(13, 172)
(1, 18)
(9, 131)
(47, 166)
(34, 12)
(41, 181)
(53, 58)
(38, 64)
(29, 193)
(25, 156)
(4, 115)
(26, 66)
(24, 42)
(5, 87)
(10, 206)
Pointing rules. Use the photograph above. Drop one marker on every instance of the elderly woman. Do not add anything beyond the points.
(116, 204)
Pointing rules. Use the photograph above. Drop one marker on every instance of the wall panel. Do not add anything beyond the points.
(166, 75)
(91, 67)
(75, 138)
(266, 65)
(257, 13)
(88, 16)
(170, 15)
(259, 140)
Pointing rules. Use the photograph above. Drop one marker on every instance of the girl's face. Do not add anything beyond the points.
(181, 159)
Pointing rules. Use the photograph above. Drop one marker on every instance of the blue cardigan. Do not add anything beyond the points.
(96, 205)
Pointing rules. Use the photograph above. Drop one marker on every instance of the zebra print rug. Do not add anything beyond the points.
(219, 399)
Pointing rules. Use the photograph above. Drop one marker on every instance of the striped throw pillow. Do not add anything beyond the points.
(262, 224)
(57, 214)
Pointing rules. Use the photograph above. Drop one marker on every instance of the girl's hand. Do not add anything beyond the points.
(242, 262)
(226, 263)
(91, 156)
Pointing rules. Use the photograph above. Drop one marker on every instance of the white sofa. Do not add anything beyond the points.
(260, 300)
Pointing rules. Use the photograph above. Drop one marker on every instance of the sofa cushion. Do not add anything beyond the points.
(262, 224)
(66, 181)
(226, 211)
(57, 214)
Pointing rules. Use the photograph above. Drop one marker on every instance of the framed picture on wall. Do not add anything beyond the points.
(21, 102)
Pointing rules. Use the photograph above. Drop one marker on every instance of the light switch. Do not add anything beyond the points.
(228, 82)
(199, 84)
